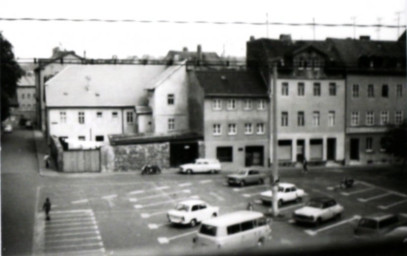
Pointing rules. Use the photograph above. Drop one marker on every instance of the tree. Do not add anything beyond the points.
(395, 143)
(10, 73)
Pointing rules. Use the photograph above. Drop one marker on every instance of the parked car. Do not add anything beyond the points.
(286, 192)
(246, 176)
(378, 224)
(192, 212)
(398, 234)
(28, 124)
(317, 210)
(236, 230)
(201, 165)
(8, 128)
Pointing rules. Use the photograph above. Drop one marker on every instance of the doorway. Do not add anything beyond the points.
(354, 149)
(254, 156)
(300, 150)
(331, 154)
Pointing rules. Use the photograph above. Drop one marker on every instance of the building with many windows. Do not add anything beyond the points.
(375, 95)
(235, 121)
(26, 97)
(310, 97)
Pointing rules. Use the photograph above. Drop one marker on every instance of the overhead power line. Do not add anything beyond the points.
(379, 25)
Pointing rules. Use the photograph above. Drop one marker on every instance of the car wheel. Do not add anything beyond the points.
(213, 171)
(318, 222)
(338, 216)
(189, 171)
(193, 222)
(260, 243)
(299, 199)
(214, 214)
(242, 183)
(280, 203)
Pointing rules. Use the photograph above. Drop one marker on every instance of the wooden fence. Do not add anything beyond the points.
(81, 161)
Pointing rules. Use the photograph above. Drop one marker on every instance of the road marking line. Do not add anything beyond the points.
(247, 195)
(73, 211)
(59, 240)
(363, 200)
(109, 197)
(61, 225)
(384, 207)
(356, 192)
(148, 215)
(314, 232)
(184, 184)
(72, 229)
(96, 232)
(80, 201)
(139, 206)
(205, 181)
(156, 226)
(74, 245)
(385, 189)
(217, 196)
(166, 240)
(162, 187)
(162, 195)
(136, 192)
(250, 188)
(133, 200)
(87, 252)
(70, 220)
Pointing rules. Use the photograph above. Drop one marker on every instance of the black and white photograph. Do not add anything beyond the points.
(216, 127)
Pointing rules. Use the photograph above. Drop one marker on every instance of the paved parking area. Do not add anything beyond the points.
(113, 216)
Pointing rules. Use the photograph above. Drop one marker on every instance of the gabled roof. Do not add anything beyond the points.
(100, 85)
(27, 80)
(58, 57)
(241, 83)
(156, 82)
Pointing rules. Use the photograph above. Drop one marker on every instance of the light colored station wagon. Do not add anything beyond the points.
(286, 192)
(201, 165)
(246, 176)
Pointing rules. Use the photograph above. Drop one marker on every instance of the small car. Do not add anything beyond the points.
(246, 176)
(378, 224)
(286, 192)
(190, 212)
(398, 234)
(201, 165)
(317, 210)
(8, 128)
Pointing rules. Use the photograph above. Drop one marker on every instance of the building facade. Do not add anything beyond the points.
(26, 97)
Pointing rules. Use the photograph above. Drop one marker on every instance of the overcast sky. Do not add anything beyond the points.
(103, 40)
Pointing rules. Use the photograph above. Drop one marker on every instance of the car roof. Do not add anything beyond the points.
(378, 216)
(192, 202)
(207, 159)
(233, 218)
(285, 184)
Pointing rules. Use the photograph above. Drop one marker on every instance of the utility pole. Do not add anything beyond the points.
(275, 180)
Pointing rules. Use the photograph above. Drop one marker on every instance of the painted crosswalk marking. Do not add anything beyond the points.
(205, 181)
(384, 207)
(139, 206)
(82, 201)
(166, 240)
(136, 192)
(356, 192)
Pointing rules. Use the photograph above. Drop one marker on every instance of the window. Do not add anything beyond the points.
(81, 117)
(262, 105)
(216, 129)
(300, 118)
(399, 90)
(248, 104)
(81, 138)
(115, 114)
(233, 229)
(232, 129)
(62, 117)
(383, 144)
(170, 99)
(354, 119)
(355, 90)
(99, 114)
(22, 95)
(370, 91)
(171, 124)
(385, 91)
(315, 118)
(317, 89)
(217, 104)
(398, 118)
(284, 118)
(384, 117)
(231, 104)
(332, 89)
(224, 154)
(248, 128)
(331, 118)
(99, 138)
(28, 95)
(369, 144)
(284, 89)
(208, 230)
(370, 118)
(260, 128)
(129, 117)
(300, 89)
(247, 225)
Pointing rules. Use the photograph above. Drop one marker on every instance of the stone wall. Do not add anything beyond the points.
(133, 157)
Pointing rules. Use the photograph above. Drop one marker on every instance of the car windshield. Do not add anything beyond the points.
(208, 230)
(315, 204)
(182, 207)
(242, 172)
(367, 223)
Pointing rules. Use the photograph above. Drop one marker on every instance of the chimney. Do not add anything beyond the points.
(285, 38)
(364, 38)
(199, 54)
(252, 38)
(185, 49)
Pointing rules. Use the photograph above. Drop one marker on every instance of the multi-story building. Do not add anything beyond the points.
(26, 97)
(234, 113)
(376, 95)
(310, 95)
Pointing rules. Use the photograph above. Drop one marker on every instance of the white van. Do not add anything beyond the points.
(235, 230)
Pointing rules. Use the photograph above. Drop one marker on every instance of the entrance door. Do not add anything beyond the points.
(182, 153)
(300, 150)
(331, 149)
(354, 149)
(254, 156)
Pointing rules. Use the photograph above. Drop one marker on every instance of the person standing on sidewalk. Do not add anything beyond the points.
(47, 161)
(305, 166)
(47, 208)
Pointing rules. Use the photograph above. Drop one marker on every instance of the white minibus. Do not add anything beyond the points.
(235, 230)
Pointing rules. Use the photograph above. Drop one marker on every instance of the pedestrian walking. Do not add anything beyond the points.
(304, 166)
(47, 208)
(47, 160)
